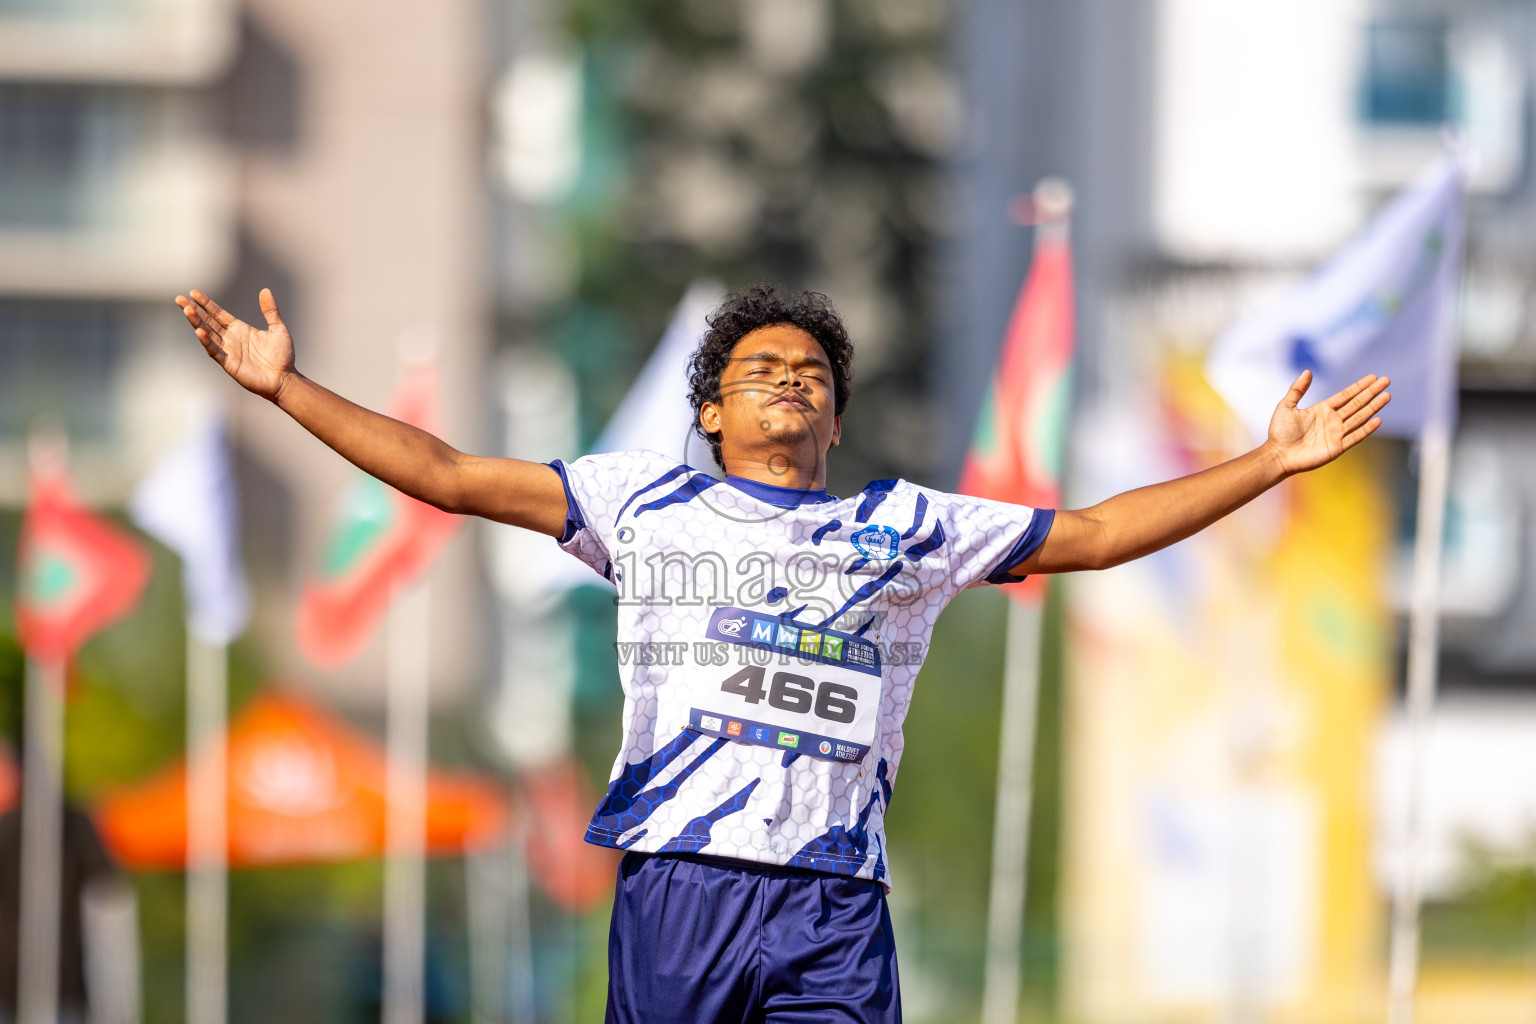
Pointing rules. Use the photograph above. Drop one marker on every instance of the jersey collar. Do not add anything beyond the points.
(782, 497)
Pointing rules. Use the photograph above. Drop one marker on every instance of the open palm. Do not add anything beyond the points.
(1307, 438)
(260, 361)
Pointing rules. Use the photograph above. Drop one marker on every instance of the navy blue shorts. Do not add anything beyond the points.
(696, 940)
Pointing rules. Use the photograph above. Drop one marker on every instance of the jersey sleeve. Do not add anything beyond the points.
(598, 488)
(989, 538)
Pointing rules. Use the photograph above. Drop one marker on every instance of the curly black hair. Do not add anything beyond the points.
(766, 305)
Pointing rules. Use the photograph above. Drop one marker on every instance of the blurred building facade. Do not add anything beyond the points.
(330, 152)
(1219, 151)
(112, 188)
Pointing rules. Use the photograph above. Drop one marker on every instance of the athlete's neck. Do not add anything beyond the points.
(777, 469)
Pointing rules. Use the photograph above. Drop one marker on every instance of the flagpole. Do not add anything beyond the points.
(42, 803)
(522, 999)
(405, 791)
(187, 502)
(1010, 835)
(1423, 652)
(42, 847)
(1049, 208)
(207, 831)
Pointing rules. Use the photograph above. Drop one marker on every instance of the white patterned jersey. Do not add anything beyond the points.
(768, 641)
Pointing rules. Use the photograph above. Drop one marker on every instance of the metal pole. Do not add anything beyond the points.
(1423, 651)
(486, 913)
(501, 944)
(1010, 837)
(405, 785)
(207, 832)
(42, 847)
(523, 994)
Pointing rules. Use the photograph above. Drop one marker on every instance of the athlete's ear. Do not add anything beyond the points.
(837, 431)
(709, 417)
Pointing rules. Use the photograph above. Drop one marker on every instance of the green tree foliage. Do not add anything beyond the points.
(744, 140)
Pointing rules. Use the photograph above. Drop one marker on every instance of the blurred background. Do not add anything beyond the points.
(528, 188)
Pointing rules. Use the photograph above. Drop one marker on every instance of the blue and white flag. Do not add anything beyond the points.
(187, 502)
(1385, 304)
(655, 414)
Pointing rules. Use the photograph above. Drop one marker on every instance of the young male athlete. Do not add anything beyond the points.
(770, 635)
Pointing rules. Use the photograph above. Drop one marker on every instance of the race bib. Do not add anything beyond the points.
(774, 682)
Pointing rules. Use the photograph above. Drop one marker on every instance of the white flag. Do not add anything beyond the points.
(187, 503)
(655, 414)
(1385, 304)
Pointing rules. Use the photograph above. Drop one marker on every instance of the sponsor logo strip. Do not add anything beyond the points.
(808, 644)
(823, 748)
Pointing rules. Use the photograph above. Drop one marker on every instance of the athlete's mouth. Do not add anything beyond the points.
(793, 399)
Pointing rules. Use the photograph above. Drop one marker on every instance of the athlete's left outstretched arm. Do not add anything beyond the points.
(1147, 519)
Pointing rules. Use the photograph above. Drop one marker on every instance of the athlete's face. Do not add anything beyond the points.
(776, 394)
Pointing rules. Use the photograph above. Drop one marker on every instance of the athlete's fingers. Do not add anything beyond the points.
(216, 311)
(207, 323)
(1359, 416)
(211, 346)
(1363, 396)
(200, 315)
(269, 308)
(1354, 437)
(1366, 396)
(200, 320)
(1343, 396)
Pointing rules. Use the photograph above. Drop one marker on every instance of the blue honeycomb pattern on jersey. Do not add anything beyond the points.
(824, 529)
(875, 492)
(933, 543)
(692, 488)
(864, 593)
(695, 835)
(919, 514)
(842, 850)
(669, 475)
(628, 803)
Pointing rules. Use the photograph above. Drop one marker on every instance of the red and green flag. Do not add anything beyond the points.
(1020, 438)
(381, 541)
(78, 573)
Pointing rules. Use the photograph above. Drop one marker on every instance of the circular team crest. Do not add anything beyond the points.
(825, 748)
(879, 542)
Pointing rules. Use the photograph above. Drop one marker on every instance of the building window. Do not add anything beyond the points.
(57, 363)
(61, 152)
(1408, 78)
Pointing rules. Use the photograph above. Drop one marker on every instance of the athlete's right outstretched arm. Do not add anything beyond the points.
(525, 494)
